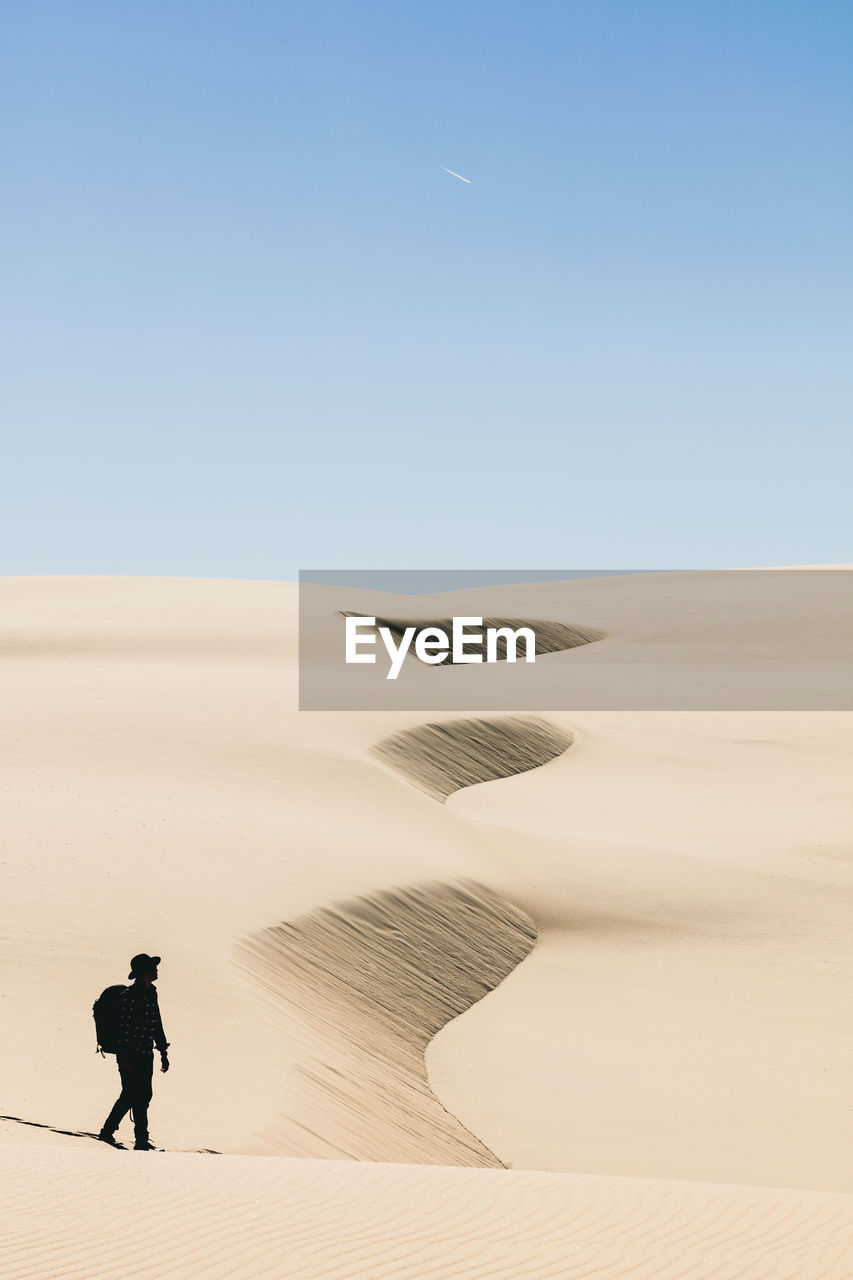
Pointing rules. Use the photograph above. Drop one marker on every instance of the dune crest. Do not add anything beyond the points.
(362, 988)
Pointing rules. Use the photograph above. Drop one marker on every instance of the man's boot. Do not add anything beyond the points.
(109, 1138)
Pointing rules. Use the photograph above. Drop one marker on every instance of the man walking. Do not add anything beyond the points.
(140, 1030)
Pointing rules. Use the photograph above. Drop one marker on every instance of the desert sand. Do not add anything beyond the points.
(583, 1014)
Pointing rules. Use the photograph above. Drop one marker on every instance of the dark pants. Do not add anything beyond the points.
(136, 1071)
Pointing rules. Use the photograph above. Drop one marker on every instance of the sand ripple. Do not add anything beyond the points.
(145, 1218)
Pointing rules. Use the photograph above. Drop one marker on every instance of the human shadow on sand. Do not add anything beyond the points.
(84, 1133)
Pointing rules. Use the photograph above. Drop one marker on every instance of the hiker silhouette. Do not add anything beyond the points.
(128, 1024)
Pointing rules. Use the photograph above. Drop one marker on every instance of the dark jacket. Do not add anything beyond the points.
(140, 1024)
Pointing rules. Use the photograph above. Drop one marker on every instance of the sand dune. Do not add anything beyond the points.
(680, 1028)
(218, 1217)
(364, 987)
(445, 757)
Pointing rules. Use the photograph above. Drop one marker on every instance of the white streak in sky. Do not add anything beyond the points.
(454, 174)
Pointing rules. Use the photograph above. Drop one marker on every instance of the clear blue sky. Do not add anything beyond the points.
(250, 325)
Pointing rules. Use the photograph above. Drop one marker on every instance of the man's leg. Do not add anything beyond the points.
(143, 1070)
(123, 1102)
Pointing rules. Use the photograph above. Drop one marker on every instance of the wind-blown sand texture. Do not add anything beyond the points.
(671, 1061)
(365, 986)
(443, 758)
(213, 1218)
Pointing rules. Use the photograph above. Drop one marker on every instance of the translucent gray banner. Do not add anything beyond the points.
(429, 640)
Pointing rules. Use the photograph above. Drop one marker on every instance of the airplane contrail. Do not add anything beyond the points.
(455, 174)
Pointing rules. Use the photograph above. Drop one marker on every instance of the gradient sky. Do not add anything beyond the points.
(251, 325)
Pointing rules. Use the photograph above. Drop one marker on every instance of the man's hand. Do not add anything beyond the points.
(164, 1060)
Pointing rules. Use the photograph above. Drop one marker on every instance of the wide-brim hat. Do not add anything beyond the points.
(142, 964)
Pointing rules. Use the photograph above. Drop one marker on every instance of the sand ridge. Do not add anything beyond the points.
(449, 755)
(363, 987)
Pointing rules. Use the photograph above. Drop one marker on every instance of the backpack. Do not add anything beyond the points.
(107, 1012)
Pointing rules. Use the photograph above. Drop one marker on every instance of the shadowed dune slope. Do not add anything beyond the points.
(361, 989)
(445, 757)
(551, 637)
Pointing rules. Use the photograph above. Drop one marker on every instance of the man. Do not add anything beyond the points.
(140, 1030)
